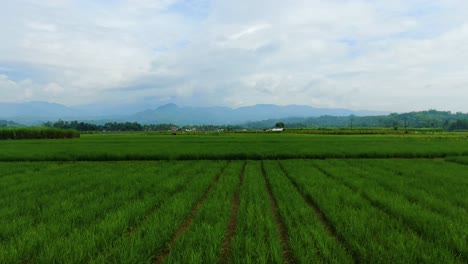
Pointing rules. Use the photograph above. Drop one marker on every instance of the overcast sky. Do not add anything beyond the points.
(390, 55)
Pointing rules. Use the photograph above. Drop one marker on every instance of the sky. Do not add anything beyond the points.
(381, 55)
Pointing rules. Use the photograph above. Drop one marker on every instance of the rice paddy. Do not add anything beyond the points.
(234, 199)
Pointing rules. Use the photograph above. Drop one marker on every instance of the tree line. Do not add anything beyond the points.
(433, 119)
(133, 126)
(441, 120)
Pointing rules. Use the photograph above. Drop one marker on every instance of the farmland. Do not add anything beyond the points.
(228, 146)
(235, 199)
(37, 133)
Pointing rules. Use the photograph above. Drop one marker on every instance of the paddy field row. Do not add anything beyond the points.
(231, 146)
(234, 211)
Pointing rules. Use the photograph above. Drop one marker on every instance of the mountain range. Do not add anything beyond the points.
(31, 113)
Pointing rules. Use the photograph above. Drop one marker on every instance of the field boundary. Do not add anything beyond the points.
(232, 225)
(321, 217)
(188, 220)
(457, 161)
(287, 252)
(105, 157)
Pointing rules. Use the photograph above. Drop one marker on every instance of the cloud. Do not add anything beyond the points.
(249, 31)
(28, 90)
(54, 89)
(24, 90)
(381, 55)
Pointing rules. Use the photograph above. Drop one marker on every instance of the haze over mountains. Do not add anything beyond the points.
(31, 113)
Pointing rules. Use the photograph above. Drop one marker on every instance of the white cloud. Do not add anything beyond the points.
(54, 89)
(15, 91)
(249, 31)
(382, 55)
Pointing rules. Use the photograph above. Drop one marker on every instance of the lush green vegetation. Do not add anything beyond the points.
(37, 133)
(133, 126)
(362, 214)
(311, 238)
(88, 212)
(287, 211)
(203, 238)
(235, 198)
(431, 119)
(223, 146)
(256, 238)
(459, 159)
(405, 122)
(364, 131)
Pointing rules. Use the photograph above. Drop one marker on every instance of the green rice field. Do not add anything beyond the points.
(235, 198)
(232, 146)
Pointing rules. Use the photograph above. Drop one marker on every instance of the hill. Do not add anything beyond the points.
(423, 119)
(172, 113)
(38, 112)
(5, 123)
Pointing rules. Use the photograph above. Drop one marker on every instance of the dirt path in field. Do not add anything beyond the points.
(322, 217)
(288, 255)
(188, 220)
(231, 229)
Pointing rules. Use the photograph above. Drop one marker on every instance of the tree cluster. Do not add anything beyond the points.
(423, 119)
(134, 126)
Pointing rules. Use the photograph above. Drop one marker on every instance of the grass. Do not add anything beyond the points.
(308, 236)
(372, 235)
(302, 211)
(73, 224)
(445, 180)
(256, 238)
(445, 231)
(414, 189)
(458, 159)
(37, 133)
(148, 241)
(199, 201)
(234, 147)
(202, 240)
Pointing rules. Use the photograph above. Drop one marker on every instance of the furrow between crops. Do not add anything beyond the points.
(131, 230)
(231, 229)
(383, 208)
(363, 195)
(446, 188)
(321, 216)
(288, 256)
(188, 220)
(416, 195)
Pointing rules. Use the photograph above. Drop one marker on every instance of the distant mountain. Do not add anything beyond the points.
(6, 123)
(34, 109)
(110, 110)
(35, 112)
(38, 112)
(172, 113)
(431, 119)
